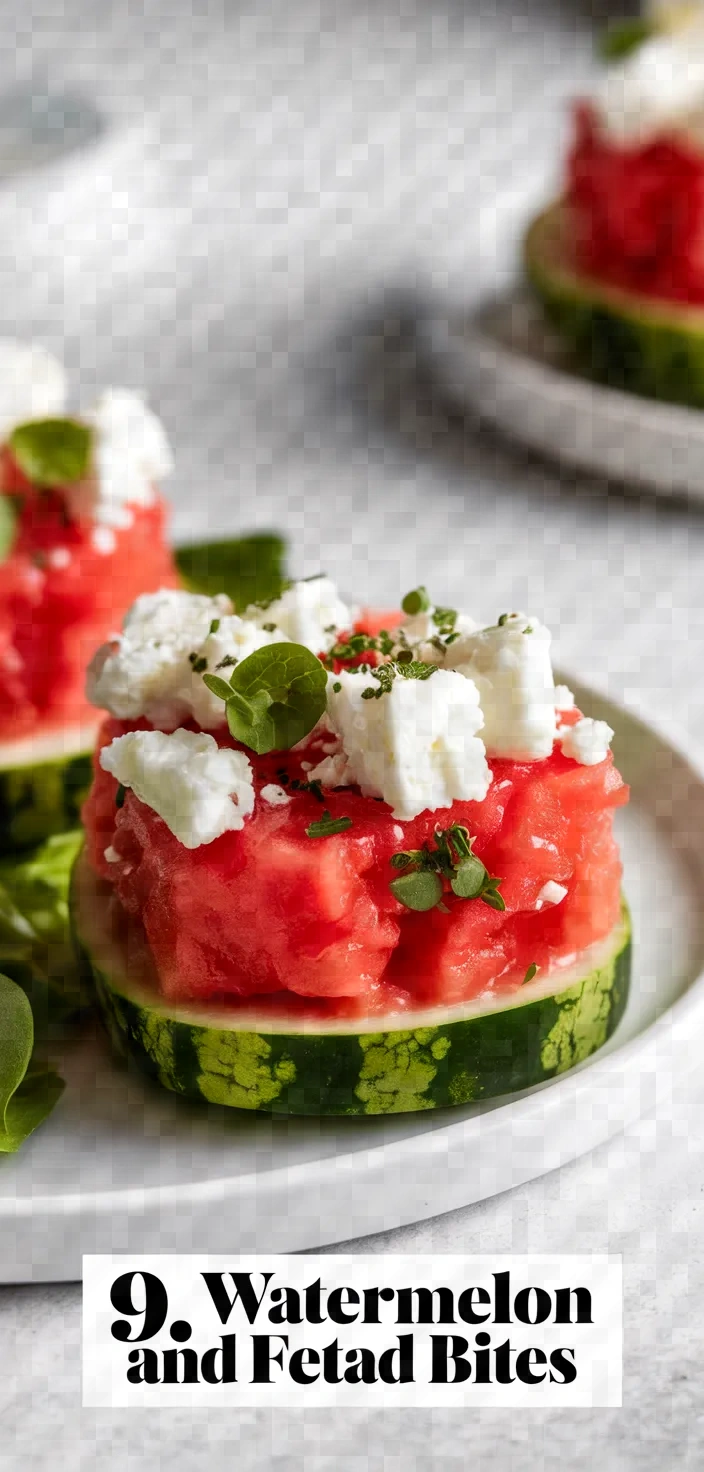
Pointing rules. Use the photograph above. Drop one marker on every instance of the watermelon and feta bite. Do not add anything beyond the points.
(619, 261)
(84, 532)
(335, 865)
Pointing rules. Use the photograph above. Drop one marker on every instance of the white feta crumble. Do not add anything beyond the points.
(32, 384)
(510, 665)
(334, 771)
(131, 455)
(275, 795)
(417, 630)
(586, 742)
(658, 87)
(564, 699)
(543, 843)
(147, 670)
(111, 855)
(59, 557)
(198, 789)
(416, 746)
(309, 612)
(550, 894)
(104, 540)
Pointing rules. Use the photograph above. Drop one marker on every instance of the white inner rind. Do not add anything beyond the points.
(110, 956)
(53, 746)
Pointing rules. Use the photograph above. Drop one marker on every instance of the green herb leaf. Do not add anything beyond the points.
(120, 795)
(417, 669)
(416, 601)
(490, 895)
(249, 569)
(621, 37)
(218, 687)
(25, 1097)
(277, 696)
(52, 452)
(532, 971)
(324, 827)
(8, 523)
(469, 878)
(421, 890)
(35, 945)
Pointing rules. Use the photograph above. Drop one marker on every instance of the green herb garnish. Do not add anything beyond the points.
(120, 795)
(420, 889)
(621, 37)
(325, 827)
(8, 524)
(452, 860)
(52, 452)
(417, 601)
(249, 569)
(274, 698)
(214, 626)
(337, 687)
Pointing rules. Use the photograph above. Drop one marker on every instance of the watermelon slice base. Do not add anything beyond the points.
(43, 782)
(293, 1065)
(642, 344)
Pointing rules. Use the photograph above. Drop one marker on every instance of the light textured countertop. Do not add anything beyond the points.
(277, 192)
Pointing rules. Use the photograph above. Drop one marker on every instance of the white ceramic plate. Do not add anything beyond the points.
(123, 1166)
(506, 365)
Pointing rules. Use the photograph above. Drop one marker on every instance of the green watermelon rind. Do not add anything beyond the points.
(639, 344)
(348, 1069)
(38, 799)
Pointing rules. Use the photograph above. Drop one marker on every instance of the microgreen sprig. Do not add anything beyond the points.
(326, 826)
(273, 698)
(420, 886)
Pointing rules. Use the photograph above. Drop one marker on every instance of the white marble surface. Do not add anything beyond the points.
(276, 192)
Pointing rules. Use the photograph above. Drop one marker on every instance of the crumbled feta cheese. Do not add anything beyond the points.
(198, 789)
(418, 629)
(658, 86)
(59, 557)
(543, 843)
(587, 741)
(104, 540)
(416, 746)
(146, 670)
(131, 454)
(275, 795)
(510, 666)
(111, 855)
(32, 384)
(550, 894)
(334, 771)
(309, 612)
(564, 699)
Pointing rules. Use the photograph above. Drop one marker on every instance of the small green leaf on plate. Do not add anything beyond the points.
(52, 452)
(277, 697)
(621, 37)
(8, 522)
(420, 890)
(326, 826)
(469, 878)
(249, 569)
(417, 601)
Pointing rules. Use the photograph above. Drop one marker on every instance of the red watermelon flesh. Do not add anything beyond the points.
(65, 589)
(272, 913)
(637, 210)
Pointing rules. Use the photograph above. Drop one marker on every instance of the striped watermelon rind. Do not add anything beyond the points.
(42, 794)
(434, 1059)
(640, 344)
